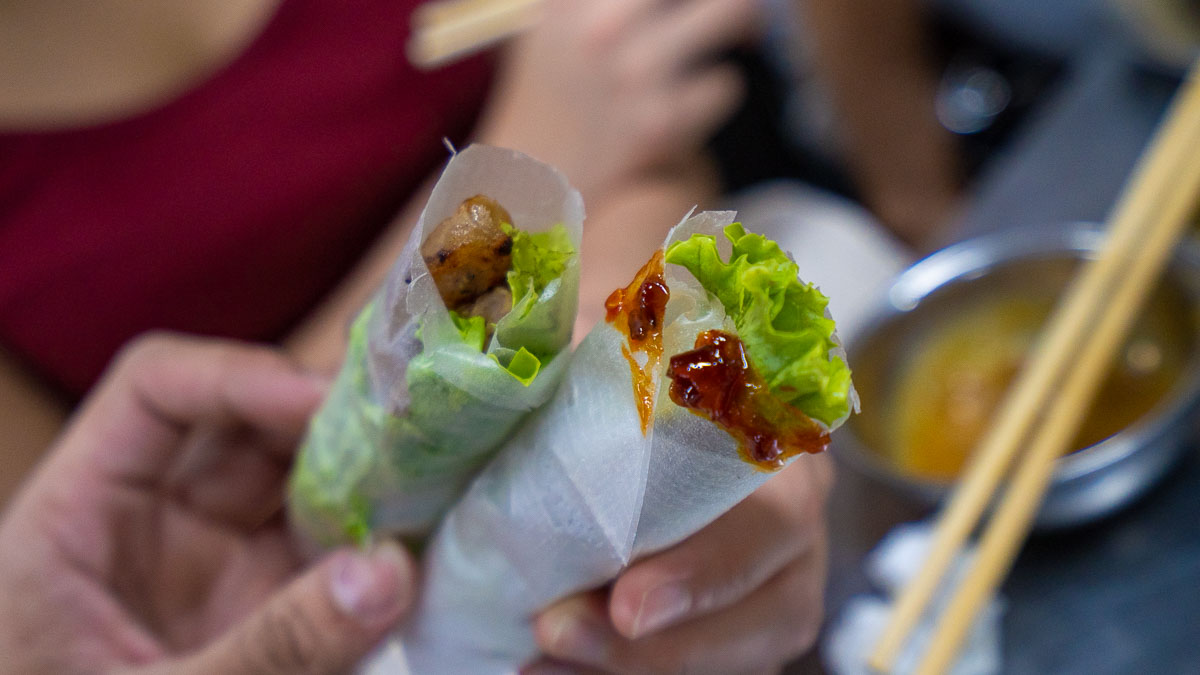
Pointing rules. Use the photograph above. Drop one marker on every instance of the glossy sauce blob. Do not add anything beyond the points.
(716, 381)
(637, 312)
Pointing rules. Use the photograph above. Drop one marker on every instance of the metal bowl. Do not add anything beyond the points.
(1088, 484)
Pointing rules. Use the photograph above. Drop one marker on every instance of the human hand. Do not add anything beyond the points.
(152, 538)
(605, 90)
(917, 214)
(743, 595)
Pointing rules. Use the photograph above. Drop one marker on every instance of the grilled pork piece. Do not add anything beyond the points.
(468, 254)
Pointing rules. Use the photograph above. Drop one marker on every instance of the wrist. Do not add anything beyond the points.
(917, 216)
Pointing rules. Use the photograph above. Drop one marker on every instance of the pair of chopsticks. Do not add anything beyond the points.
(452, 29)
(1074, 354)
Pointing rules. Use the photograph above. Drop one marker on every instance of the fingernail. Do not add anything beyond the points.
(661, 607)
(371, 586)
(573, 637)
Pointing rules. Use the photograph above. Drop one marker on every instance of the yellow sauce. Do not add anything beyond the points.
(945, 395)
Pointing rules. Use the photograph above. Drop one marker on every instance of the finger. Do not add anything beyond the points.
(769, 627)
(230, 476)
(728, 560)
(601, 24)
(697, 30)
(705, 100)
(547, 666)
(163, 386)
(686, 114)
(324, 622)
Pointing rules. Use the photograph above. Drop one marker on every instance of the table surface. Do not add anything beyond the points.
(1119, 596)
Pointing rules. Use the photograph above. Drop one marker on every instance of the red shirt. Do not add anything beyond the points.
(231, 210)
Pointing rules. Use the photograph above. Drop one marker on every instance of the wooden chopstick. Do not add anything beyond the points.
(452, 29)
(1154, 181)
(1013, 518)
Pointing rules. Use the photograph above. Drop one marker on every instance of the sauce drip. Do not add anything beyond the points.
(637, 312)
(716, 381)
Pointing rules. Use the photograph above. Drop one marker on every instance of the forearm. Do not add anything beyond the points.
(30, 418)
(873, 57)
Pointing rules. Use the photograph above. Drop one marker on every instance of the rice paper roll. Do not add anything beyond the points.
(614, 467)
(428, 392)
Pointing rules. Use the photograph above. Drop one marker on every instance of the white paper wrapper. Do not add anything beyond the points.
(411, 419)
(577, 495)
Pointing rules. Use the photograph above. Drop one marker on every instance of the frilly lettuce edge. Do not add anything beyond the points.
(523, 365)
(537, 259)
(779, 318)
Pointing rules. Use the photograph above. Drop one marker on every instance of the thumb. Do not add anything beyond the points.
(324, 622)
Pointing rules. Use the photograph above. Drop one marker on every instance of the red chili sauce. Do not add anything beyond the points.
(716, 381)
(637, 312)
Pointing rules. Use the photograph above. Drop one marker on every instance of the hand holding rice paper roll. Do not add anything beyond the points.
(707, 378)
(463, 341)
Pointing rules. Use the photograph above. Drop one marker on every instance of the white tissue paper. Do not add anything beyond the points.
(895, 561)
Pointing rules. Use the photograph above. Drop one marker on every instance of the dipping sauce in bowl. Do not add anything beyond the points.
(934, 366)
(947, 393)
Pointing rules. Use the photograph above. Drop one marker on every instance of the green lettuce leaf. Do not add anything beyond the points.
(337, 454)
(473, 329)
(523, 365)
(780, 319)
(537, 259)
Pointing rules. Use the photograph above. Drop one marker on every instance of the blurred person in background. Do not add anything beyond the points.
(234, 168)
